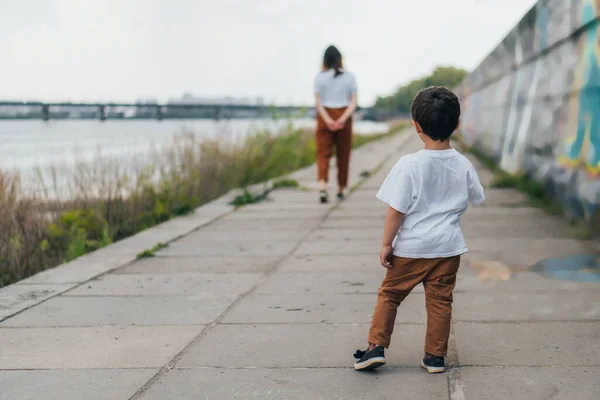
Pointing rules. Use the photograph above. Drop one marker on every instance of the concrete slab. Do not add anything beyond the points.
(15, 298)
(99, 384)
(206, 235)
(246, 248)
(312, 298)
(371, 185)
(101, 347)
(322, 283)
(522, 260)
(517, 260)
(63, 311)
(293, 200)
(355, 246)
(522, 246)
(517, 282)
(365, 279)
(314, 308)
(491, 213)
(298, 384)
(84, 268)
(237, 346)
(372, 209)
(358, 222)
(288, 214)
(359, 195)
(280, 199)
(526, 383)
(532, 344)
(212, 265)
(184, 284)
(322, 263)
(503, 306)
(231, 225)
(514, 227)
(329, 235)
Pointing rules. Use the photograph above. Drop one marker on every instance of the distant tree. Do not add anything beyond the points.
(401, 100)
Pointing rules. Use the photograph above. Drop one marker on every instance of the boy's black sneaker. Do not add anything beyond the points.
(433, 364)
(369, 360)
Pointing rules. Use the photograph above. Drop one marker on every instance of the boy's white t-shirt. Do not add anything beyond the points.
(433, 189)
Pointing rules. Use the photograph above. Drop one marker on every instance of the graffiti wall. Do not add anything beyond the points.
(534, 103)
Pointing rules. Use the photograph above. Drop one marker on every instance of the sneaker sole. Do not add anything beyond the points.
(370, 364)
(433, 370)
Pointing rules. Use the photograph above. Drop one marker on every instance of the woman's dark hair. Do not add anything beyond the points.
(333, 60)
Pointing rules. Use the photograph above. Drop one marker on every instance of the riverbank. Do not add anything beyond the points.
(103, 202)
(28, 144)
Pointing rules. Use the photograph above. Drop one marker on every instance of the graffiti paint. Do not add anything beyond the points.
(534, 103)
(583, 148)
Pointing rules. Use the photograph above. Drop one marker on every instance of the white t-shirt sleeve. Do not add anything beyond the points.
(398, 189)
(352, 84)
(318, 84)
(476, 195)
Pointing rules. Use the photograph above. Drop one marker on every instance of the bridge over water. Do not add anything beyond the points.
(104, 111)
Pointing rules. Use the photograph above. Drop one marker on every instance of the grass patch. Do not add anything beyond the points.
(285, 183)
(534, 190)
(83, 207)
(247, 197)
(151, 253)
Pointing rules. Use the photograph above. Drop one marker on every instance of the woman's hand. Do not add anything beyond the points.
(340, 123)
(332, 125)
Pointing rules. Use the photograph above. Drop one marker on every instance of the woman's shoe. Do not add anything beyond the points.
(340, 196)
(323, 196)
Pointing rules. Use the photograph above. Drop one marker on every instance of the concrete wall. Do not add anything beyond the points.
(534, 103)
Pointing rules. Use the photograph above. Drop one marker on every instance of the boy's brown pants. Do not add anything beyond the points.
(438, 276)
(326, 139)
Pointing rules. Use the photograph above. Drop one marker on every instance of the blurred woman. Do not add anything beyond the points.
(335, 96)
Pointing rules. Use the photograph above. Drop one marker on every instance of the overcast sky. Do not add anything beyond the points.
(122, 50)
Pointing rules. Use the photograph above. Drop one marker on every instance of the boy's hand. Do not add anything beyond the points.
(386, 256)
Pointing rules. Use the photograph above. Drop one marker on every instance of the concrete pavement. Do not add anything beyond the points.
(270, 301)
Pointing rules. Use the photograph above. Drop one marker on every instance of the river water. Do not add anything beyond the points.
(27, 144)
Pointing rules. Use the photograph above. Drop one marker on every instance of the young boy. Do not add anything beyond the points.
(427, 192)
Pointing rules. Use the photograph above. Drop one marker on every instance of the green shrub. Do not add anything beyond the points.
(285, 183)
(151, 252)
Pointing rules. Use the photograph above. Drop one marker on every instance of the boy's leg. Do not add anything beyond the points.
(439, 285)
(405, 274)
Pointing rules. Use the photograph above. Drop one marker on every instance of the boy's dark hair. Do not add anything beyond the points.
(437, 110)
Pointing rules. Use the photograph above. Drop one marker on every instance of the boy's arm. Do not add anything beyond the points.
(393, 222)
(476, 195)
